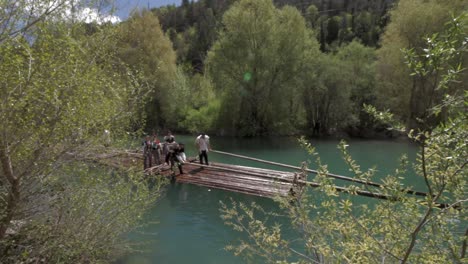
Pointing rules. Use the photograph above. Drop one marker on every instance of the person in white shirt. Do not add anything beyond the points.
(203, 144)
(181, 154)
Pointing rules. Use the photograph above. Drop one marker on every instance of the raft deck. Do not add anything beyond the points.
(236, 178)
(266, 182)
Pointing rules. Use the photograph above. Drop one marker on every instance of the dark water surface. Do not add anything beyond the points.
(185, 226)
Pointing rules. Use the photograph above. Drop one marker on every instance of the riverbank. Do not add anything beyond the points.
(383, 134)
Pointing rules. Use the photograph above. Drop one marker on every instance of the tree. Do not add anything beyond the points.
(312, 15)
(333, 27)
(202, 108)
(254, 65)
(58, 93)
(148, 52)
(206, 28)
(22, 16)
(411, 96)
(403, 228)
(346, 33)
(360, 62)
(363, 26)
(326, 96)
(335, 87)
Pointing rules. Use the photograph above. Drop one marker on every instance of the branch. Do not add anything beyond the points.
(423, 164)
(304, 256)
(13, 192)
(420, 225)
(463, 249)
(373, 238)
(30, 24)
(6, 163)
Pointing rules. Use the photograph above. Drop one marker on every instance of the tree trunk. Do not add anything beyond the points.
(14, 190)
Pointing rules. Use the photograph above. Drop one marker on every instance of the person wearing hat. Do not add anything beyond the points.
(203, 144)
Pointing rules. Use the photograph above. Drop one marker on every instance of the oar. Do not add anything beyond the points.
(316, 172)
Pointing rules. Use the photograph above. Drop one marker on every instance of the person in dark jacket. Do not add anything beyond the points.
(173, 150)
(147, 155)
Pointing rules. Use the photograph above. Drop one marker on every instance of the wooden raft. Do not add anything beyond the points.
(236, 178)
(266, 182)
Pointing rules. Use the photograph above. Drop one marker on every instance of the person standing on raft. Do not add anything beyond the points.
(203, 144)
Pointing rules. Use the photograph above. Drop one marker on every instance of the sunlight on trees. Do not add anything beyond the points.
(148, 52)
(404, 229)
(411, 97)
(59, 92)
(272, 45)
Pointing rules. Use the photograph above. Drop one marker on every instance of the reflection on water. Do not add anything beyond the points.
(189, 229)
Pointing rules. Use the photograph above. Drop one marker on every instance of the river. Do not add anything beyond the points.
(185, 225)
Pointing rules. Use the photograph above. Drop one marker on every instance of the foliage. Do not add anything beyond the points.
(58, 93)
(202, 119)
(326, 97)
(402, 228)
(80, 216)
(340, 22)
(335, 88)
(202, 108)
(411, 97)
(359, 61)
(148, 53)
(196, 27)
(315, 94)
(193, 26)
(266, 243)
(254, 65)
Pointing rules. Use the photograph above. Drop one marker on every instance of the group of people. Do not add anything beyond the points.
(154, 150)
(173, 152)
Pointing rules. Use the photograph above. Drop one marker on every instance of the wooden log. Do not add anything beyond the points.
(276, 177)
(238, 187)
(255, 181)
(307, 183)
(336, 176)
(229, 179)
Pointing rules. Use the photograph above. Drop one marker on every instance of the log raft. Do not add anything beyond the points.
(235, 178)
(263, 182)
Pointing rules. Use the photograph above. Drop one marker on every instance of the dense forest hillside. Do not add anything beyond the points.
(286, 67)
(192, 26)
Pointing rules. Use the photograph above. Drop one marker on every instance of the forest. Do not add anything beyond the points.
(241, 68)
(285, 67)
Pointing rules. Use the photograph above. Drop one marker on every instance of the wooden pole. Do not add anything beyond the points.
(309, 183)
(340, 177)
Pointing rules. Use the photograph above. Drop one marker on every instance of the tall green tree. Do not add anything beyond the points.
(411, 96)
(326, 96)
(335, 87)
(202, 108)
(312, 15)
(359, 62)
(255, 63)
(145, 48)
(206, 28)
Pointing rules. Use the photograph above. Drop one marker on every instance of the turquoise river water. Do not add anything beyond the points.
(185, 225)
